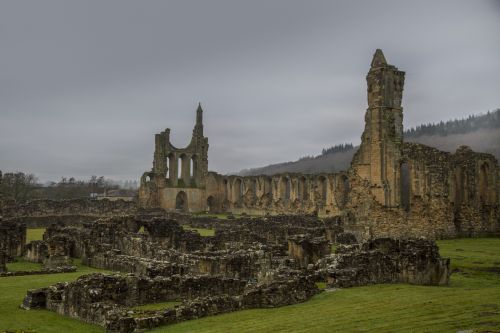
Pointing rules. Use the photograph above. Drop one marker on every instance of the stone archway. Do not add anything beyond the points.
(181, 201)
(211, 204)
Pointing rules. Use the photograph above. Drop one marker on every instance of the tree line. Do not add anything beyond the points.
(20, 186)
(337, 148)
(457, 126)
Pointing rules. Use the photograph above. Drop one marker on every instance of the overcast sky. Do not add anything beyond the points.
(85, 85)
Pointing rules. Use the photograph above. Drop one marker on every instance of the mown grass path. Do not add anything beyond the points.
(472, 301)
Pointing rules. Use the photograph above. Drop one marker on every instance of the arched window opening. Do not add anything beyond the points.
(457, 187)
(322, 189)
(345, 190)
(180, 166)
(405, 186)
(191, 166)
(167, 163)
(226, 190)
(483, 183)
(302, 189)
(285, 187)
(268, 186)
(237, 190)
(253, 188)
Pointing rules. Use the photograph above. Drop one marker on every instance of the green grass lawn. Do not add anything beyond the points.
(12, 292)
(34, 234)
(22, 265)
(472, 301)
(203, 232)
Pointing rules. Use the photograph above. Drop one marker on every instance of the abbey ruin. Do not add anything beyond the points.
(301, 234)
(393, 188)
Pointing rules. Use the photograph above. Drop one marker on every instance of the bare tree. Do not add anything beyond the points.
(18, 186)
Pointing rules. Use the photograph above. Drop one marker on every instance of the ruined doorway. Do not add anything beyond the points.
(181, 202)
(211, 204)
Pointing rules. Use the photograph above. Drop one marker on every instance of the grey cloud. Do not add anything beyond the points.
(84, 85)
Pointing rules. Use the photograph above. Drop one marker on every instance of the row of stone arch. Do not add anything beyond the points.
(182, 166)
(284, 188)
(465, 185)
(461, 185)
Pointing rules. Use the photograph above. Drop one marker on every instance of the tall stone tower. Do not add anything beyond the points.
(379, 156)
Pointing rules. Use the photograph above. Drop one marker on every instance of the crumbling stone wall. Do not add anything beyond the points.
(441, 205)
(36, 251)
(12, 238)
(113, 260)
(281, 193)
(91, 296)
(219, 274)
(104, 299)
(42, 213)
(59, 252)
(45, 207)
(386, 260)
(393, 188)
(162, 186)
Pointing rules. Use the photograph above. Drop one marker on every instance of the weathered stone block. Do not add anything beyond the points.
(307, 250)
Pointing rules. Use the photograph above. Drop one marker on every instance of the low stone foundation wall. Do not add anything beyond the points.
(105, 299)
(136, 265)
(58, 270)
(46, 207)
(47, 220)
(386, 260)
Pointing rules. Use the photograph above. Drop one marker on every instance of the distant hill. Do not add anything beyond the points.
(480, 132)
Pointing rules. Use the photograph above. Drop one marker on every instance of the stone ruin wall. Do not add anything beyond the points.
(248, 263)
(386, 260)
(107, 300)
(448, 196)
(12, 239)
(165, 248)
(287, 193)
(393, 188)
(43, 212)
